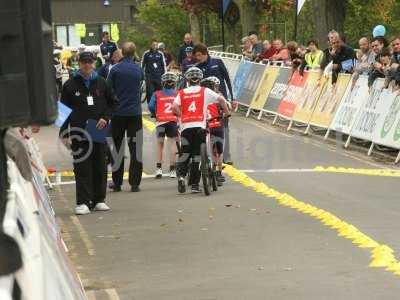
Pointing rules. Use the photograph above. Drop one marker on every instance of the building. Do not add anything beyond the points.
(93, 16)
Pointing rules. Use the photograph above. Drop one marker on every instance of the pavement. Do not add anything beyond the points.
(238, 244)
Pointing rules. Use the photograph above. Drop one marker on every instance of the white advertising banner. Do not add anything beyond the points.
(350, 105)
(387, 131)
(232, 66)
(370, 114)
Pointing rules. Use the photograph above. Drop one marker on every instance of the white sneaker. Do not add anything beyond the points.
(101, 206)
(82, 210)
(172, 174)
(159, 173)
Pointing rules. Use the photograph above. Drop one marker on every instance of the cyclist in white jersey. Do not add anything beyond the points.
(190, 106)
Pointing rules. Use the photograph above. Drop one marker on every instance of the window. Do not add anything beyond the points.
(62, 35)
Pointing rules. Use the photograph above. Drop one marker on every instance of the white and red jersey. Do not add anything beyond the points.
(193, 102)
(164, 103)
(214, 116)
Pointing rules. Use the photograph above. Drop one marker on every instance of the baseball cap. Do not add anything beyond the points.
(86, 56)
(189, 49)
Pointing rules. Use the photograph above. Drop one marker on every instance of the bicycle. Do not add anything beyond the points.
(207, 166)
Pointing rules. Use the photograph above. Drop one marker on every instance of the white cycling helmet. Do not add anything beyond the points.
(169, 77)
(194, 74)
(214, 80)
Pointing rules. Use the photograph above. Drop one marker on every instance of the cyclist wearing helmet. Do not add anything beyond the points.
(190, 106)
(160, 105)
(189, 61)
(216, 126)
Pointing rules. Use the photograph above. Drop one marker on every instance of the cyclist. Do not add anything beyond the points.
(190, 106)
(216, 127)
(160, 105)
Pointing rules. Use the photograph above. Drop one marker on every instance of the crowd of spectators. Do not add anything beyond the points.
(376, 57)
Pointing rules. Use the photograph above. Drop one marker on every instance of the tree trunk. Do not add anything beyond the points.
(328, 15)
(248, 16)
(195, 27)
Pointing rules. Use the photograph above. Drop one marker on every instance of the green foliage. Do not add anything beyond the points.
(164, 22)
(363, 15)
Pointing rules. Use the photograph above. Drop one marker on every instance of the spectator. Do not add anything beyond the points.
(394, 71)
(365, 58)
(313, 56)
(187, 42)
(82, 48)
(107, 47)
(282, 54)
(154, 67)
(73, 62)
(341, 56)
(377, 46)
(168, 57)
(126, 78)
(257, 47)
(396, 50)
(90, 98)
(216, 67)
(295, 54)
(247, 51)
(106, 68)
(268, 51)
(381, 67)
(189, 61)
(59, 70)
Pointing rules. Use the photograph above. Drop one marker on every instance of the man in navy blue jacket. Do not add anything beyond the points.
(126, 78)
(154, 67)
(216, 67)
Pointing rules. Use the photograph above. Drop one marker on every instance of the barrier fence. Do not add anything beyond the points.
(47, 272)
(349, 107)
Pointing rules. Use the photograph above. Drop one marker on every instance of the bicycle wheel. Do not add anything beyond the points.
(204, 168)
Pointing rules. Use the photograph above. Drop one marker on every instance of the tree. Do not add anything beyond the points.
(165, 22)
(328, 15)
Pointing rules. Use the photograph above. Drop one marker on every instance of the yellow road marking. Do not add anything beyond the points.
(112, 294)
(84, 235)
(381, 255)
(368, 172)
(149, 125)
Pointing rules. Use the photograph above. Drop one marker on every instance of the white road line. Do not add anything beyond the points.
(84, 235)
(279, 171)
(112, 294)
(73, 181)
(316, 143)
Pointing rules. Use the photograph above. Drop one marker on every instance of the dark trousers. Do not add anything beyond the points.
(191, 139)
(152, 85)
(133, 127)
(90, 170)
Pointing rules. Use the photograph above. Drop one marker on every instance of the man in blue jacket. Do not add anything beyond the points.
(126, 78)
(154, 67)
(216, 67)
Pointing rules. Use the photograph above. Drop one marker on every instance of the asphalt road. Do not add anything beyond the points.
(237, 244)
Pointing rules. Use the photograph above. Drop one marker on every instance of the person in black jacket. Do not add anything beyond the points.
(91, 100)
(154, 67)
(216, 67)
(341, 56)
(187, 42)
(107, 47)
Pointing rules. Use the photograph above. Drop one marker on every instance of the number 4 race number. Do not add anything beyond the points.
(192, 107)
